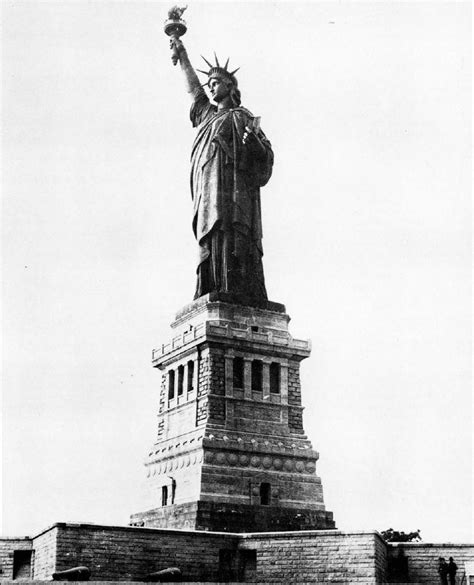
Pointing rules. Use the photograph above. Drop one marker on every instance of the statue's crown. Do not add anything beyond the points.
(218, 71)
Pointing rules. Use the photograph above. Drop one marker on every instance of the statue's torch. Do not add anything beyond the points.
(175, 27)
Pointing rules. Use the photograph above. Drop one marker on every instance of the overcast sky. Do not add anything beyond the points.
(366, 238)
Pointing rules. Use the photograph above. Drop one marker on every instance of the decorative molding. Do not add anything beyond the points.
(267, 462)
(174, 463)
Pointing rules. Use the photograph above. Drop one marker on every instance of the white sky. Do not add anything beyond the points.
(366, 236)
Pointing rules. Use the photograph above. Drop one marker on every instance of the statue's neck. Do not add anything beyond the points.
(225, 104)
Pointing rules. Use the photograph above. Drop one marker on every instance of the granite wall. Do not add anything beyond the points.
(130, 553)
(327, 556)
(422, 560)
(8, 549)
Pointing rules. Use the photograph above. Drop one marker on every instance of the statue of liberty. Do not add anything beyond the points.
(231, 159)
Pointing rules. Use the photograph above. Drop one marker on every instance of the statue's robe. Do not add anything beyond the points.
(226, 177)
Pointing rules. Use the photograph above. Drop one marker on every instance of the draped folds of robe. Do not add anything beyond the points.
(226, 176)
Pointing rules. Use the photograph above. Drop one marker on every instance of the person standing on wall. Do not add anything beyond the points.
(452, 569)
(443, 571)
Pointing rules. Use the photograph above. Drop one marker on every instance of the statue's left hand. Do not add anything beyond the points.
(253, 142)
(248, 134)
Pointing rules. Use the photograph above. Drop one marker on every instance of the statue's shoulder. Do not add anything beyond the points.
(201, 110)
(243, 111)
(241, 116)
(238, 114)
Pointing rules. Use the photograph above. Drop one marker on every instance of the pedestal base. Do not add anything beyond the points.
(236, 518)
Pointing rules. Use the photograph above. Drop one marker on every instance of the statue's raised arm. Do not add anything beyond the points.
(192, 81)
(231, 159)
(175, 27)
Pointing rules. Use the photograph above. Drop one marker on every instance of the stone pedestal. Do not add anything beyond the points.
(230, 451)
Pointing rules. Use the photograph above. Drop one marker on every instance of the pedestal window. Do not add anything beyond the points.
(275, 378)
(164, 495)
(257, 375)
(265, 494)
(171, 376)
(180, 380)
(238, 372)
(190, 382)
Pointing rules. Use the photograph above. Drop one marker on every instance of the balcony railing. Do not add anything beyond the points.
(220, 329)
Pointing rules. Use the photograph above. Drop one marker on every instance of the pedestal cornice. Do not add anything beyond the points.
(254, 329)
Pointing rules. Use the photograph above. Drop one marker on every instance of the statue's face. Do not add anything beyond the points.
(219, 89)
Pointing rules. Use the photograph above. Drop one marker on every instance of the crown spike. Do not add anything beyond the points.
(217, 60)
(203, 72)
(206, 61)
(226, 63)
(235, 71)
